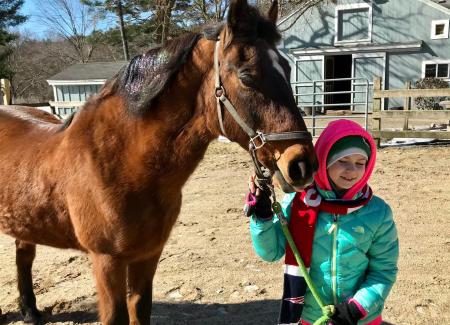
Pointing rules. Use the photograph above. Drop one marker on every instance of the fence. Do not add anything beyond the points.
(64, 109)
(378, 116)
(315, 97)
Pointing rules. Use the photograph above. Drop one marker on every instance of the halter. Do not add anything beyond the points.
(257, 138)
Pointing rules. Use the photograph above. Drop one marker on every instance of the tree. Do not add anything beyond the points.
(33, 62)
(300, 7)
(120, 8)
(71, 21)
(9, 17)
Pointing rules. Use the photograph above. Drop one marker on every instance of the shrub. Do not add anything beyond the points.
(430, 103)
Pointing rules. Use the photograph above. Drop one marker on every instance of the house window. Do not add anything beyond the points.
(353, 23)
(436, 69)
(439, 29)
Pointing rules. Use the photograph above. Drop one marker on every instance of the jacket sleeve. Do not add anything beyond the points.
(267, 236)
(382, 268)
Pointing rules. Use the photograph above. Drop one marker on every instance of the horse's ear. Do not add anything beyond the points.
(241, 20)
(236, 13)
(273, 12)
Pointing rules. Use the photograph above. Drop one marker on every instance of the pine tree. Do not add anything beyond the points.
(9, 17)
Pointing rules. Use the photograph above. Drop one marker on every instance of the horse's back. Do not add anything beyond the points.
(28, 114)
(31, 208)
(26, 124)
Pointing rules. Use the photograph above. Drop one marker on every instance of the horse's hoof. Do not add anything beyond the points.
(2, 317)
(32, 317)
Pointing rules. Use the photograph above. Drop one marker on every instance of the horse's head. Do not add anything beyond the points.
(252, 77)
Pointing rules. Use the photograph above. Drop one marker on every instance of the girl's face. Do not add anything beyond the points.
(347, 171)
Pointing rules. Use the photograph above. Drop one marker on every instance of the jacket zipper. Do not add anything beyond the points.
(334, 229)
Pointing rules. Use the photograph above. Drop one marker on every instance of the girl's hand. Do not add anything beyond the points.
(346, 313)
(258, 201)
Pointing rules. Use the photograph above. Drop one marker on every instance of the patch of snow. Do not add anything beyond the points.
(223, 139)
(407, 141)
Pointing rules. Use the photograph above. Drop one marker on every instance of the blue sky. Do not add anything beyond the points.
(35, 27)
(32, 25)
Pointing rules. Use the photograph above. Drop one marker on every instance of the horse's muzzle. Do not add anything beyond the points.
(299, 175)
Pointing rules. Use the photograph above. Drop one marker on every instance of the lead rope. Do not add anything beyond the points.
(327, 310)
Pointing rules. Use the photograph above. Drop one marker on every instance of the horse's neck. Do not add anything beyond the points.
(193, 133)
(170, 140)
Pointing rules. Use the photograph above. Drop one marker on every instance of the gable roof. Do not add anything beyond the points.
(444, 3)
(88, 71)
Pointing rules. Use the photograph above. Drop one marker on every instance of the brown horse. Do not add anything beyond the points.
(109, 180)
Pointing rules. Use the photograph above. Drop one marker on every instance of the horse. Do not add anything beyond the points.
(108, 181)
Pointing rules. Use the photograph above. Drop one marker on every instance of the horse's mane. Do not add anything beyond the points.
(148, 75)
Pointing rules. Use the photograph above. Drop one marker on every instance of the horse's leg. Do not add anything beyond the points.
(110, 276)
(140, 279)
(25, 253)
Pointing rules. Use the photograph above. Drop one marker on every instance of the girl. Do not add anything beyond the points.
(346, 236)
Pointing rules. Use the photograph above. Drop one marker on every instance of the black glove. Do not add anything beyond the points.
(346, 314)
(258, 203)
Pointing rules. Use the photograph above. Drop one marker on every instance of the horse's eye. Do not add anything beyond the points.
(247, 79)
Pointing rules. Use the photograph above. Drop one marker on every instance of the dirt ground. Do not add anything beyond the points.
(208, 273)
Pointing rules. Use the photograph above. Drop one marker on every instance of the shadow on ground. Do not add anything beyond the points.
(255, 312)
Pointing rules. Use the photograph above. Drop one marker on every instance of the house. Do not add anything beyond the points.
(73, 86)
(339, 48)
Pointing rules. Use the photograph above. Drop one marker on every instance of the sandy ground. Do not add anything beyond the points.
(208, 273)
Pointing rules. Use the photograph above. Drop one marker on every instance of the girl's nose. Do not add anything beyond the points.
(351, 167)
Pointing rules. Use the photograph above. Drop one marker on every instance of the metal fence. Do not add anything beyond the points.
(317, 98)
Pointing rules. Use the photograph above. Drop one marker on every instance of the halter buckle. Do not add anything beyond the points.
(219, 92)
(258, 141)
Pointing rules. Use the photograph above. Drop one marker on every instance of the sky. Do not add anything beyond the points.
(33, 26)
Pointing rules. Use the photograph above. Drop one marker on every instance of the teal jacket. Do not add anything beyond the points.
(354, 255)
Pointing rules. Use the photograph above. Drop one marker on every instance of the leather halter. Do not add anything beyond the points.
(257, 138)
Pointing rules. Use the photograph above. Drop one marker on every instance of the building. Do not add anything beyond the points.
(73, 86)
(355, 40)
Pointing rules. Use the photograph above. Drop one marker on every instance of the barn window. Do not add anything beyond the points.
(439, 69)
(353, 23)
(439, 29)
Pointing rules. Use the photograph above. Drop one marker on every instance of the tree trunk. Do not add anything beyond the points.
(122, 30)
(167, 16)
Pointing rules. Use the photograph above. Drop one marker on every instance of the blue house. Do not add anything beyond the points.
(73, 86)
(339, 48)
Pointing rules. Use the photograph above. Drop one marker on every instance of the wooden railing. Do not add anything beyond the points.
(379, 115)
(66, 104)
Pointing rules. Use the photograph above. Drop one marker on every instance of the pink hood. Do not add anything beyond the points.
(332, 133)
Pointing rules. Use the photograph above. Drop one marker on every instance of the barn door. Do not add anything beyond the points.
(366, 66)
(309, 79)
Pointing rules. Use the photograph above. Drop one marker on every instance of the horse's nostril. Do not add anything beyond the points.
(298, 169)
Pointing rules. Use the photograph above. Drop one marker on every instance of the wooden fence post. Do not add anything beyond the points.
(376, 119)
(406, 106)
(5, 92)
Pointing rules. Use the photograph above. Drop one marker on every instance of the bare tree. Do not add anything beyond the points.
(71, 21)
(209, 10)
(298, 8)
(33, 62)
